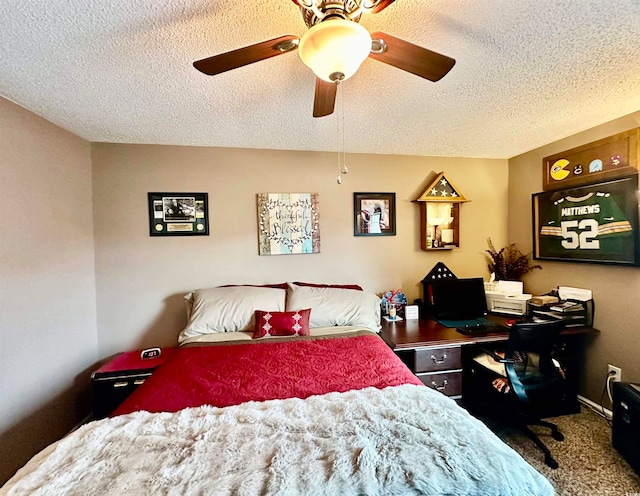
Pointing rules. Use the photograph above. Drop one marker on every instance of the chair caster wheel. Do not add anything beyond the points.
(549, 461)
(557, 435)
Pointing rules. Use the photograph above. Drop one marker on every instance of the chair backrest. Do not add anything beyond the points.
(530, 367)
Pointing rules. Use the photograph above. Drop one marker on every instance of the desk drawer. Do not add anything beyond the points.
(435, 359)
(449, 383)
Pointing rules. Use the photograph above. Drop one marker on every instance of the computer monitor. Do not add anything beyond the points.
(458, 299)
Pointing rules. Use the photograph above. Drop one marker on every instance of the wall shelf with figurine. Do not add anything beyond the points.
(603, 160)
(440, 214)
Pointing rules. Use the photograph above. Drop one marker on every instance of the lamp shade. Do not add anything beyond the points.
(335, 48)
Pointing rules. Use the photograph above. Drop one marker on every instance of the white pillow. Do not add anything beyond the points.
(336, 307)
(229, 309)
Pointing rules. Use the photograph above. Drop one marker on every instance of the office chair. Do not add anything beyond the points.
(534, 379)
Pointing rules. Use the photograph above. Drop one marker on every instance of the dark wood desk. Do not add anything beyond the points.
(437, 354)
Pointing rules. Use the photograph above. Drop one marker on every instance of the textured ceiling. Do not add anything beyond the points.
(528, 72)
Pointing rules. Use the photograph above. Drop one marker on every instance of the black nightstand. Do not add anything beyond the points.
(122, 375)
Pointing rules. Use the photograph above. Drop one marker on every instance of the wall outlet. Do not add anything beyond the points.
(617, 371)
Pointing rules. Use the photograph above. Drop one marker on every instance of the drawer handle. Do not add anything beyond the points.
(120, 384)
(439, 388)
(442, 360)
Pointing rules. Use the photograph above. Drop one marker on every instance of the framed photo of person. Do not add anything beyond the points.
(178, 214)
(374, 214)
(594, 224)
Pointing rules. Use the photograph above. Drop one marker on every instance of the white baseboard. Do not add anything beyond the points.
(599, 409)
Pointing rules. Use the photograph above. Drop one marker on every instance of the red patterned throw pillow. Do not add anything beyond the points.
(281, 323)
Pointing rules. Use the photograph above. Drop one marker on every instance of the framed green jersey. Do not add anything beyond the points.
(596, 223)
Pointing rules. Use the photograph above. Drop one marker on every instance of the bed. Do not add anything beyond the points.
(274, 399)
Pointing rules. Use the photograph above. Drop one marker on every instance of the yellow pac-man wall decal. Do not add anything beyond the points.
(558, 169)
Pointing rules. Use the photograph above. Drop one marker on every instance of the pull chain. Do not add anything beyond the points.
(339, 179)
(344, 169)
(340, 143)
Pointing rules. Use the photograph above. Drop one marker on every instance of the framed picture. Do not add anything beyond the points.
(374, 214)
(178, 214)
(288, 223)
(594, 224)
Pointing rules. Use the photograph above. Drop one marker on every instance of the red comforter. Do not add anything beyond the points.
(229, 374)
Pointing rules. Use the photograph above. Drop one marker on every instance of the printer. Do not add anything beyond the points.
(506, 297)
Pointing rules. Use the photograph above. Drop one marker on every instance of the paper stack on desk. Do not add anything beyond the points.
(568, 293)
(567, 306)
(575, 307)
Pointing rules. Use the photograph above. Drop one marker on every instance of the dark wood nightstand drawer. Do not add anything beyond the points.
(110, 392)
(435, 359)
(116, 383)
(449, 383)
(118, 378)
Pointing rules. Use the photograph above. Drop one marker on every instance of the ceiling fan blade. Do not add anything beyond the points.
(412, 58)
(247, 55)
(325, 98)
(381, 5)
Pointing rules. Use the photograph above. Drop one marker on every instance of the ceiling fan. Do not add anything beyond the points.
(334, 47)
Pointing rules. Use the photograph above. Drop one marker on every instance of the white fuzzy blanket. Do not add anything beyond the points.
(402, 440)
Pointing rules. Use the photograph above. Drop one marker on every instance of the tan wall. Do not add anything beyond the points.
(48, 289)
(141, 279)
(615, 289)
(48, 336)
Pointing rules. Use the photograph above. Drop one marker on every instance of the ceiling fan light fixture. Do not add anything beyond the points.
(335, 48)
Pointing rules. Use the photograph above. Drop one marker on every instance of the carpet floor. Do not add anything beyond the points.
(589, 464)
